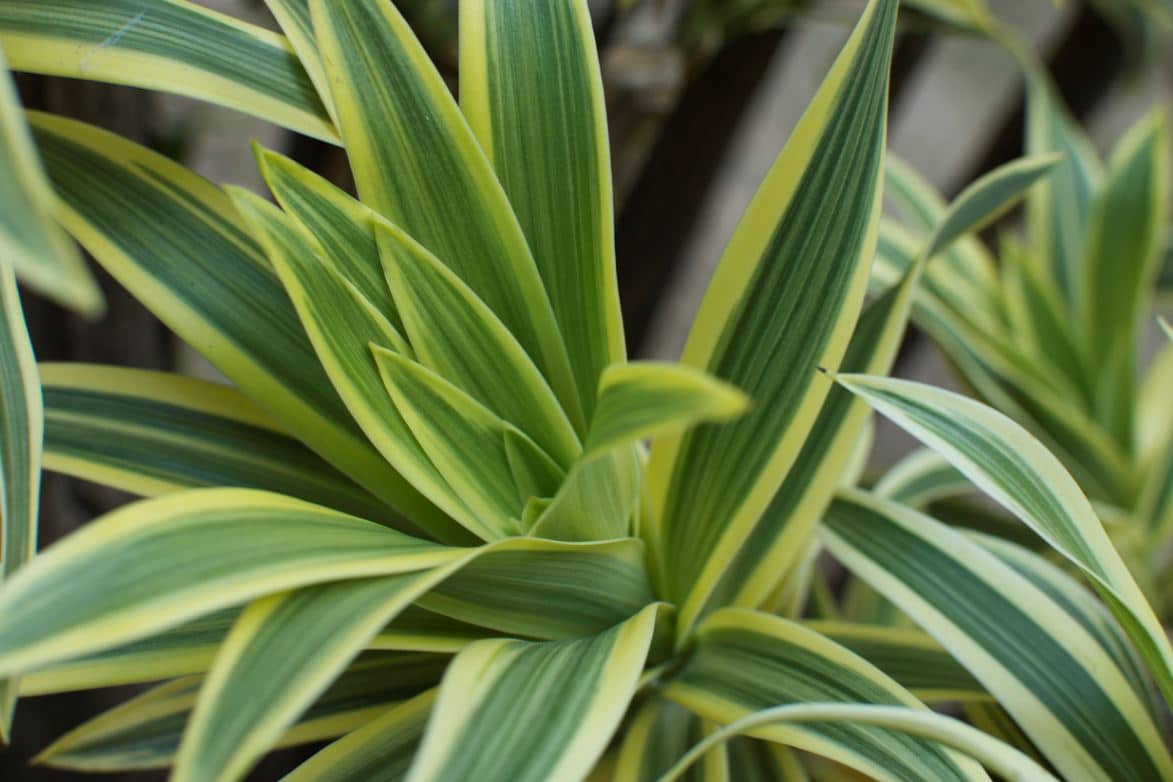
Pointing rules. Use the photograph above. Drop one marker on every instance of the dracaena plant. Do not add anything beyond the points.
(1052, 335)
(423, 522)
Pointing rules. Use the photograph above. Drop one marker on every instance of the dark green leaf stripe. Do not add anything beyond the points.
(161, 562)
(745, 661)
(282, 654)
(770, 551)
(532, 91)
(417, 163)
(169, 45)
(1025, 649)
(910, 657)
(21, 435)
(175, 242)
(568, 591)
(151, 433)
(380, 751)
(146, 732)
(797, 305)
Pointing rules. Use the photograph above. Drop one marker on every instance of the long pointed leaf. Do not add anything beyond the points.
(1042, 666)
(152, 433)
(170, 45)
(1016, 470)
(531, 89)
(21, 435)
(782, 303)
(160, 562)
(30, 241)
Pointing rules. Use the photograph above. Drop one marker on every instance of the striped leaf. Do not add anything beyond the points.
(282, 654)
(161, 562)
(910, 657)
(174, 241)
(1060, 209)
(380, 751)
(456, 335)
(1166, 328)
(153, 433)
(146, 732)
(464, 441)
(988, 198)
(519, 711)
(170, 45)
(596, 501)
(769, 554)
(341, 226)
(293, 16)
(341, 324)
(1030, 654)
(184, 650)
(532, 92)
(782, 303)
(744, 661)
(418, 164)
(660, 732)
(1123, 255)
(419, 630)
(1007, 463)
(30, 241)
(643, 399)
(21, 435)
(1001, 758)
(546, 589)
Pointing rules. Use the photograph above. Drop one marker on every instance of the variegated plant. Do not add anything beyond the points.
(424, 522)
(1052, 334)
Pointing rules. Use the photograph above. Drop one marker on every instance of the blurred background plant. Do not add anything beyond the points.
(700, 94)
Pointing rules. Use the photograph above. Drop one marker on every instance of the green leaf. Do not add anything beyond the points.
(1001, 758)
(744, 661)
(1007, 463)
(169, 45)
(1123, 256)
(341, 324)
(910, 657)
(463, 439)
(770, 553)
(293, 16)
(417, 163)
(21, 434)
(282, 654)
(158, 563)
(518, 712)
(597, 498)
(30, 241)
(1060, 209)
(146, 731)
(342, 228)
(782, 303)
(1030, 654)
(988, 198)
(532, 92)
(380, 751)
(153, 433)
(175, 242)
(644, 399)
(1166, 328)
(546, 589)
(457, 336)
